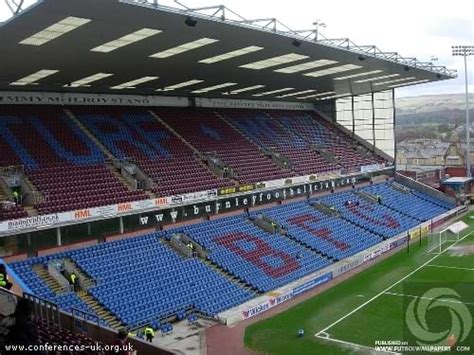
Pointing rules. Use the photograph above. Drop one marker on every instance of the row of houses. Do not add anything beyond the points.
(431, 152)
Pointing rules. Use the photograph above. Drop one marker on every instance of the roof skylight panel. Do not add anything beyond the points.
(358, 75)
(376, 78)
(184, 48)
(296, 93)
(131, 84)
(272, 92)
(409, 83)
(306, 66)
(126, 40)
(33, 78)
(229, 55)
(248, 88)
(333, 70)
(56, 30)
(212, 88)
(87, 80)
(181, 85)
(394, 81)
(316, 95)
(274, 61)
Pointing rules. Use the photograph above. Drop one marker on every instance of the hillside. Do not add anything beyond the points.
(431, 109)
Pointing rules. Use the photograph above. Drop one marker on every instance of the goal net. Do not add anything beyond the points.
(439, 241)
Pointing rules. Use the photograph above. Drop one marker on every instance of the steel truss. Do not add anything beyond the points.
(224, 14)
(15, 6)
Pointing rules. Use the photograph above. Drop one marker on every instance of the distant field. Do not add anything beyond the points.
(373, 305)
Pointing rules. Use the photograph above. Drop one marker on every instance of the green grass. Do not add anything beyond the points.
(381, 319)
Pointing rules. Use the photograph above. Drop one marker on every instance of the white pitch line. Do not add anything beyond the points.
(427, 298)
(450, 267)
(354, 345)
(388, 288)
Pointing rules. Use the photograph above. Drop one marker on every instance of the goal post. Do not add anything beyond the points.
(439, 241)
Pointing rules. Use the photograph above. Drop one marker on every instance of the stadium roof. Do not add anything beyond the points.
(137, 47)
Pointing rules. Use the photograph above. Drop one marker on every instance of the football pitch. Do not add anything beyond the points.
(404, 304)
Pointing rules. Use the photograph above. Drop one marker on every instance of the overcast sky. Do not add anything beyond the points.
(414, 28)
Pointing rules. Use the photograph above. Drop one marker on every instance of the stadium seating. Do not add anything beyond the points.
(421, 209)
(369, 215)
(439, 202)
(121, 269)
(39, 288)
(317, 131)
(135, 133)
(269, 134)
(176, 285)
(332, 236)
(12, 212)
(54, 335)
(209, 133)
(266, 261)
(61, 161)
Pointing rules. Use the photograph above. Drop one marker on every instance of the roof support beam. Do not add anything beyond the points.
(15, 6)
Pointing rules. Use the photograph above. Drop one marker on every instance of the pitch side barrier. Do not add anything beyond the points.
(272, 299)
(173, 209)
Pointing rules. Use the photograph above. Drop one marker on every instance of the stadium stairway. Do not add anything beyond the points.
(103, 313)
(106, 152)
(83, 293)
(326, 210)
(46, 277)
(329, 156)
(247, 137)
(232, 278)
(199, 156)
(89, 134)
(286, 234)
(31, 210)
(3, 195)
(122, 179)
(202, 255)
(172, 130)
(193, 148)
(86, 280)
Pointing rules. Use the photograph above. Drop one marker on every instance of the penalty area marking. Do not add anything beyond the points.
(324, 331)
(450, 267)
(428, 298)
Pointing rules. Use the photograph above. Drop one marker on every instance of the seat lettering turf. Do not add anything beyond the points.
(153, 136)
(323, 233)
(262, 256)
(209, 131)
(117, 136)
(367, 211)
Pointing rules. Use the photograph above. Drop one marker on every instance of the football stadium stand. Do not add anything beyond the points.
(330, 235)
(406, 202)
(370, 215)
(66, 153)
(52, 334)
(264, 260)
(164, 164)
(135, 133)
(206, 131)
(268, 134)
(241, 259)
(63, 164)
(326, 137)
